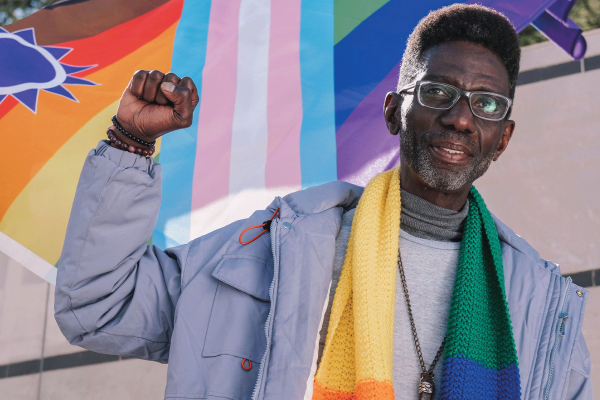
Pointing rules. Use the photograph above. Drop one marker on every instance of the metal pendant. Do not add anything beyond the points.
(426, 387)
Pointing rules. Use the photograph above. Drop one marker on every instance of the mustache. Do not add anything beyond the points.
(453, 136)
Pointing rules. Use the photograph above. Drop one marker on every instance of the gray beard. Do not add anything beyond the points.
(419, 159)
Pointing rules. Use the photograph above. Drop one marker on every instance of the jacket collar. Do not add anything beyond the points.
(509, 237)
(346, 195)
(321, 198)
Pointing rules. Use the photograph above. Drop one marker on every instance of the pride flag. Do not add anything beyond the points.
(291, 97)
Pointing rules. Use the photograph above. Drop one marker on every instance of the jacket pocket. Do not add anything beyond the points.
(237, 321)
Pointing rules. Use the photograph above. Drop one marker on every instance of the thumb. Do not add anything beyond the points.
(181, 97)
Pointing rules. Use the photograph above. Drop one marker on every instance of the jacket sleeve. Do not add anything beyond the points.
(114, 293)
(579, 386)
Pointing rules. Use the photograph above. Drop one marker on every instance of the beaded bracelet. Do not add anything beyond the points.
(124, 146)
(129, 135)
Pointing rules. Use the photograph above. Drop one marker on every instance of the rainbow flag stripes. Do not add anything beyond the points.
(49, 132)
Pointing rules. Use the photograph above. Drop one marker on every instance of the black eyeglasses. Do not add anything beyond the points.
(441, 96)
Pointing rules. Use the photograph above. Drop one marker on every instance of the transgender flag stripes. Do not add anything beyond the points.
(251, 121)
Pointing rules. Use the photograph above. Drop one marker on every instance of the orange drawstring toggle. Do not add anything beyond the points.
(249, 367)
(266, 228)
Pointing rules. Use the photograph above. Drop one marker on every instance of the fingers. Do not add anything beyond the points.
(189, 83)
(160, 96)
(167, 90)
(145, 85)
(153, 80)
(181, 97)
(136, 85)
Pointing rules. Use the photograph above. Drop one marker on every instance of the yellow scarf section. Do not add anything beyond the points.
(357, 359)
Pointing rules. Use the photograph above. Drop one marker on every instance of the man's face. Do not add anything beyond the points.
(446, 150)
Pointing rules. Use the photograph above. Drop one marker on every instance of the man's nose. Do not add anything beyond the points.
(459, 117)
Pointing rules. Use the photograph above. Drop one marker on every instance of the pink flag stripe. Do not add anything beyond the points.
(211, 170)
(284, 97)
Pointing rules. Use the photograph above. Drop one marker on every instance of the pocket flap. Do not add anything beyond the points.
(251, 275)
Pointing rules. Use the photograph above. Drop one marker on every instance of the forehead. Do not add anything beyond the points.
(467, 65)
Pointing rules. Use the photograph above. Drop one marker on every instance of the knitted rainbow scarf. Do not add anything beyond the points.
(480, 359)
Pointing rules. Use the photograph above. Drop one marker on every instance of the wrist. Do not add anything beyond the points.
(131, 132)
(122, 142)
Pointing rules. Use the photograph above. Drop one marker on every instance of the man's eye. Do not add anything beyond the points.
(487, 104)
(436, 91)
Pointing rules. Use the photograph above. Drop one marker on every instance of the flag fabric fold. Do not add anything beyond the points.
(290, 97)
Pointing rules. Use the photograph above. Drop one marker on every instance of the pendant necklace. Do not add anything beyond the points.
(427, 384)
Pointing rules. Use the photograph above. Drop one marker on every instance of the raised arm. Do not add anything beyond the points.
(114, 294)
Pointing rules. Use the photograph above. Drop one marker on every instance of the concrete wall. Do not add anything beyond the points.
(29, 336)
(546, 187)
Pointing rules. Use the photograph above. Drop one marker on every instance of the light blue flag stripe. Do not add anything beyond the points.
(317, 137)
(178, 149)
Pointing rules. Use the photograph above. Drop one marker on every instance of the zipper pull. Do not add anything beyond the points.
(564, 318)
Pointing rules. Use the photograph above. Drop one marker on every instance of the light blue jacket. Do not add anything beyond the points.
(206, 306)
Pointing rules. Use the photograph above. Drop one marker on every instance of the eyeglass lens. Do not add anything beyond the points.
(484, 105)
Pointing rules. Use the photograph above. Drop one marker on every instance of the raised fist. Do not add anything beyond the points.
(155, 103)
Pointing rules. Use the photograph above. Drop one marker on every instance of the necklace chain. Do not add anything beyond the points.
(414, 329)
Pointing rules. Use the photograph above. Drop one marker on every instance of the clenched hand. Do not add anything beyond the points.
(155, 103)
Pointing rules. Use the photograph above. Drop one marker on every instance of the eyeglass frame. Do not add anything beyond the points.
(415, 85)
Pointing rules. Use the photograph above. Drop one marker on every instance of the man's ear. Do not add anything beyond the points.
(390, 106)
(509, 128)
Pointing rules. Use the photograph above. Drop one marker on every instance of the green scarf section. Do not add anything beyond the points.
(480, 357)
(479, 321)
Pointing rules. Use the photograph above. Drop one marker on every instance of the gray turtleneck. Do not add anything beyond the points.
(425, 220)
(429, 246)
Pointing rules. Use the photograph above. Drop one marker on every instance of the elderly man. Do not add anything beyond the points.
(408, 289)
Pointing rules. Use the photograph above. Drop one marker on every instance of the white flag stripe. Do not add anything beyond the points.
(249, 132)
